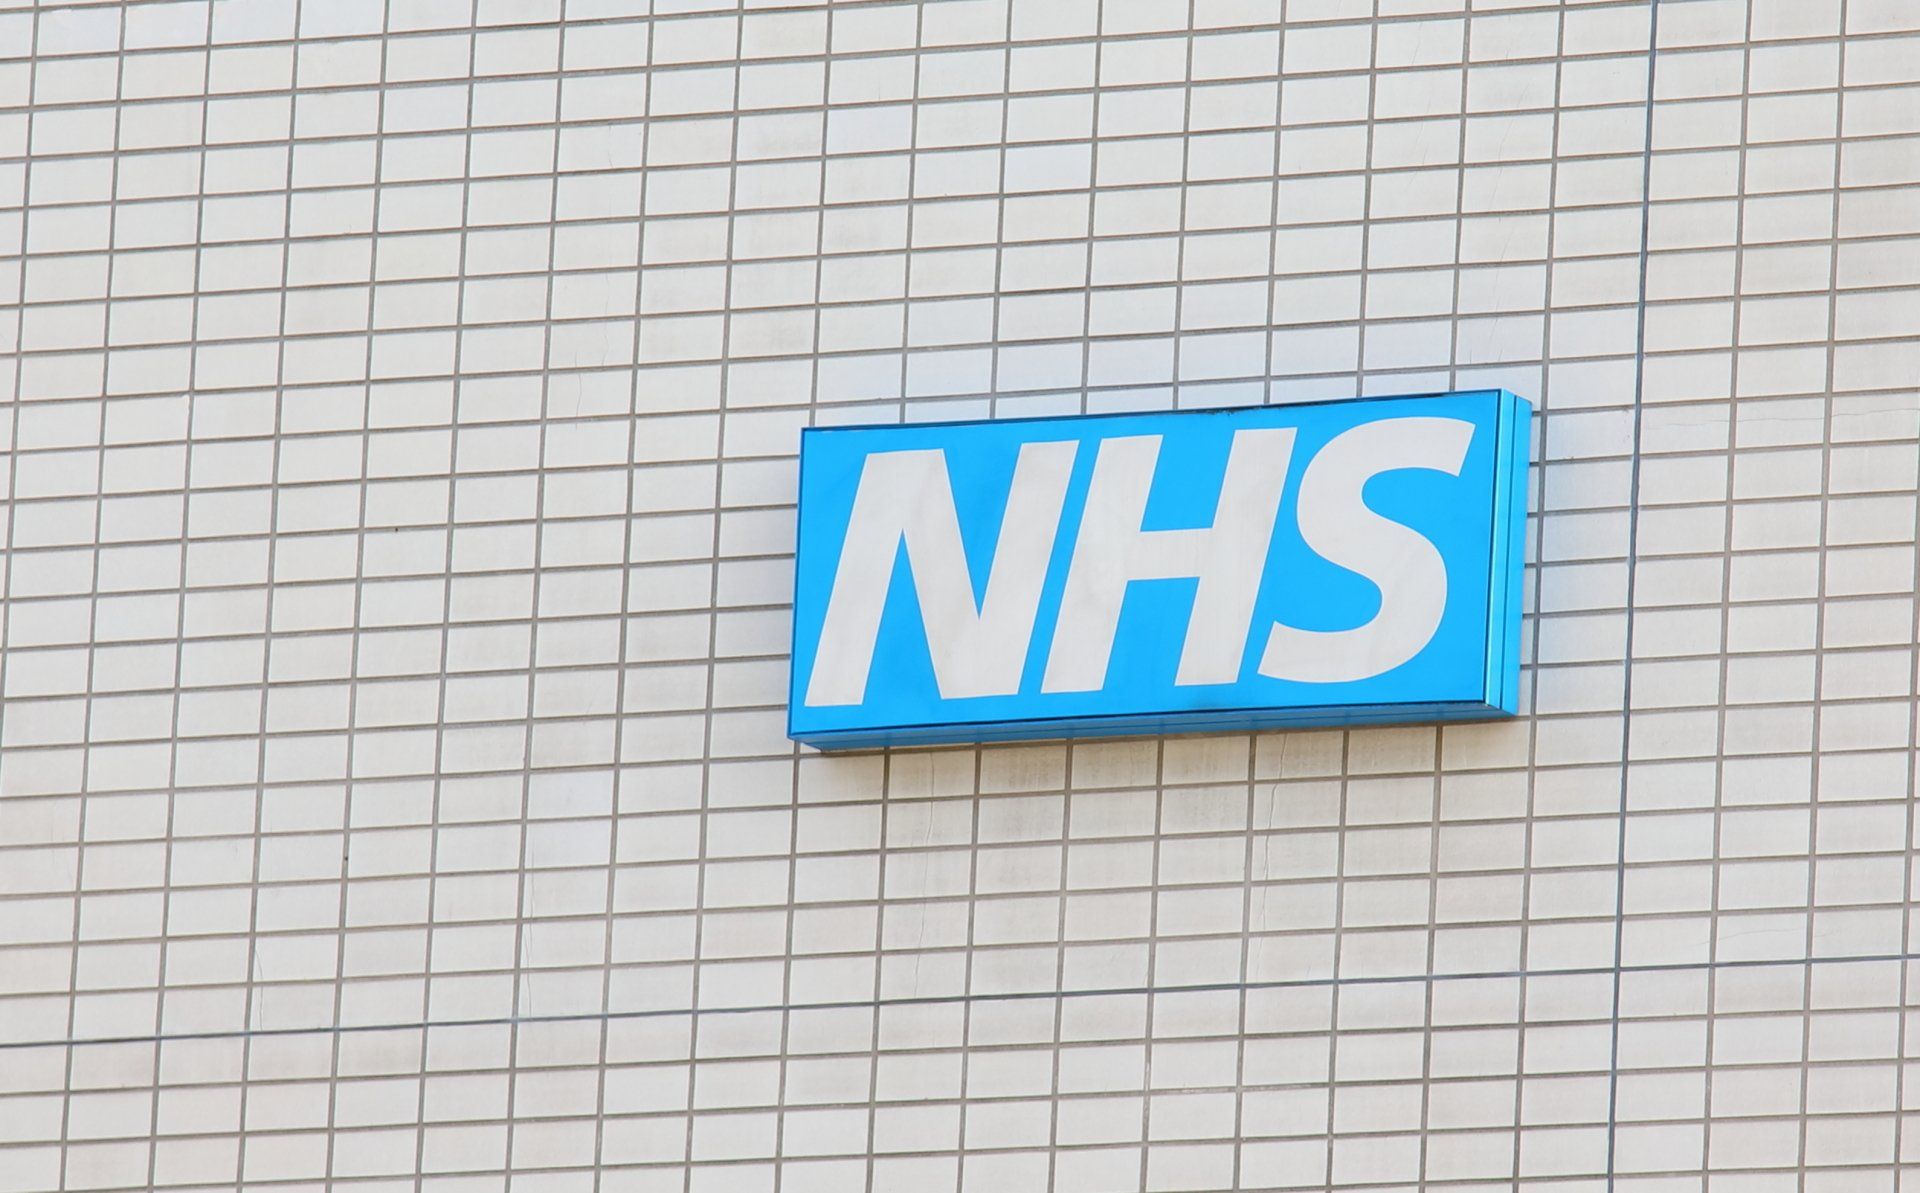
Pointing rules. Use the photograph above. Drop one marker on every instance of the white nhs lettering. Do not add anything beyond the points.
(905, 501)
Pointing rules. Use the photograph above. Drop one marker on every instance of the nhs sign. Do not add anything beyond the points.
(1333, 563)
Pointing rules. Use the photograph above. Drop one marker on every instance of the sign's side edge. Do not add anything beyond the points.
(1494, 618)
(1518, 464)
(793, 612)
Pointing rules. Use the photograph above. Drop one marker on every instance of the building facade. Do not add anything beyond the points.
(403, 408)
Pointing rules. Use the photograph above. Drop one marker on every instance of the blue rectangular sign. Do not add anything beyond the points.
(1329, 563)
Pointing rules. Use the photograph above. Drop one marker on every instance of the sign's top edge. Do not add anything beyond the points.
(1200, 411)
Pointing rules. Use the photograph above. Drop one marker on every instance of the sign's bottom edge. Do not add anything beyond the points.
(1237, 721)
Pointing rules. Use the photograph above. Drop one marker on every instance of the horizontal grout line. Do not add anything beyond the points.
(829, 58)
(907, 905)
(894, 404)
(908, 295)
(527, 723)
(1465, 1077)
(879, 1004)
(642, 765)
(823, 206)
(906, 305)
(639, 668)
(722, 11)
(294, 91)
(1092, 135)
(508, 621)
(1734, 416)
(657, 517)
(1171, 34)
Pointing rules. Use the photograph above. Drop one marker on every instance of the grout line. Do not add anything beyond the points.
(15, 391)
(91, 704)
(1243, 1011)
(870, 1169)
(1329, 1171)
(1004, 996)
(711, 661)
(449, 581)
(812, 58)
(525, 974)
(790, 909)
(1719, 804)
(1821, 553)
(251, 977)
(1535, 496)
(978, 750)
(1150, 1027)
(350, 790)
(1436, 870)
(1632, 565)
(179, 692)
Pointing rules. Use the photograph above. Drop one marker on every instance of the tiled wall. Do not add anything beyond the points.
(405, 395)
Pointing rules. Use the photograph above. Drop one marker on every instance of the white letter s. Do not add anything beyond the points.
(1337, 525)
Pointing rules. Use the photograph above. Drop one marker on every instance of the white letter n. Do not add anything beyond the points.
(906, 497)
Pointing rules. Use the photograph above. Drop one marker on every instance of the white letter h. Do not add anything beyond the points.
(1112, 551)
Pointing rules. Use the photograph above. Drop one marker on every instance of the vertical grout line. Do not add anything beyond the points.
(180, 608)
(1269, 330)
(887, 753)
(1536, 489)
(448, 562)
(1339, 939)
(1061, 944)
(1440, 732)
(996, 349)
(966, 966)
(1243, 1013)
(1820, 623)
(521, 995)
(1346, 732)
(1366, 203)
(1715, 860)
(89, 697)
(1057, 1025)
(1155, 888)
(1429, 986)
(1093, 208)
(249, 978)
(1238, 1142)
(1149, 1028)
(1459, 215)
(616, 792)
(349, 789)
(877, 1011)
(1174, 391)
(1085, 389)
(978, 750)
(713, 601)
(912, 213)
(784, 1061)
(1633, 536)
(17, 362)
(1904, 1036)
